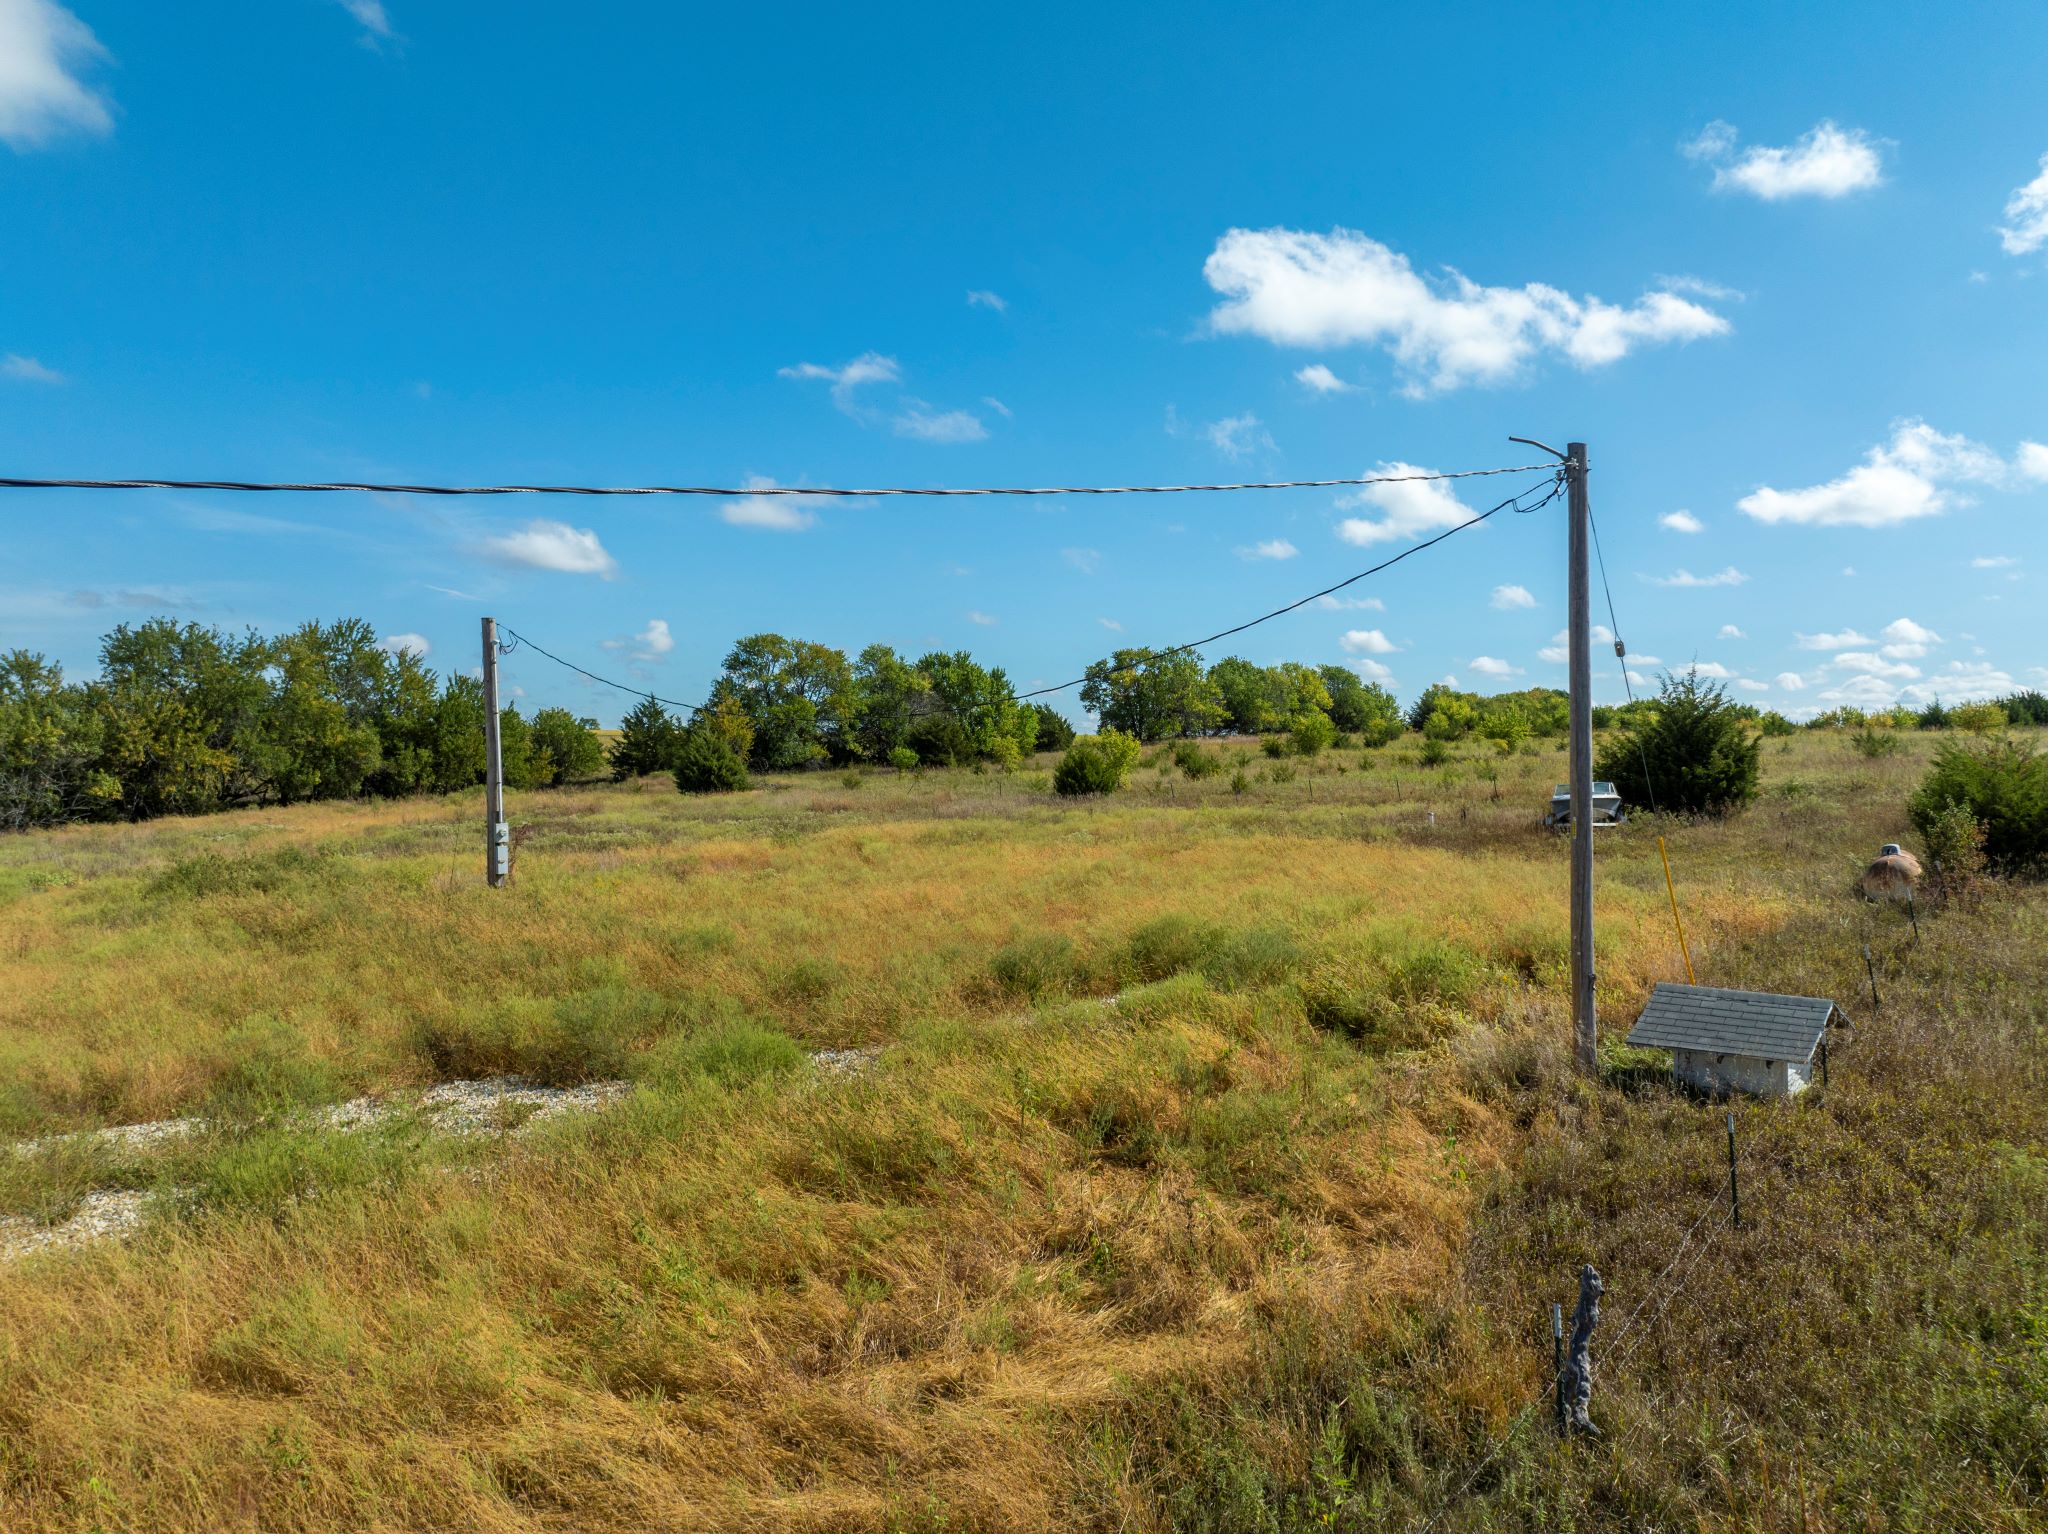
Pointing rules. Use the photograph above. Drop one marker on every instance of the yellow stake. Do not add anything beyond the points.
(1672, 891)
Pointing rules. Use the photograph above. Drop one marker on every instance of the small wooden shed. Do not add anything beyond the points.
(1738, 1041)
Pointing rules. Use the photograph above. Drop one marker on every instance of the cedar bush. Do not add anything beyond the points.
(1096, 764)
(707, 765)
(1694, 756)
(2004, 785)
(1054, 732)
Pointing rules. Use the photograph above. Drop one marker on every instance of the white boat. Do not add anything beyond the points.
(1606, 806)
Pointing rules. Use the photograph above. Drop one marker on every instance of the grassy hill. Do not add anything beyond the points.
(1211, 1161)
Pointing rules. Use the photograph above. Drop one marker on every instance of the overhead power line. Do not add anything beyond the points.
(739, 491)
(1554, 484)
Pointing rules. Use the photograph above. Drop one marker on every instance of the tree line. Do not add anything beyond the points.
(185, 719)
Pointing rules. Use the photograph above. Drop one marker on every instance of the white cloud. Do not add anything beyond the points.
(1682, 522)
(1296, 288)
(651, 643)
(1234, 436)
(2025, 229)
(1368, 642)
(1874, 665)
(42, 48)
(1111, 624)
(920, 421)
(1320, 380)
(1713, 670)
(867, 368)
(1993, 562)
(1728, 577)
(1848, 639)
(1750, 684)
(1825, 161)
(545, 545)
(370, 13)
(2033, 460)
(1509, 597)
(405, 644)
(982, 618)
(1487, 665)
(998, 406)
(27, 369)
(981, 298)
(1407, 507)
(1272, 548)
(1906, 631)
(1911, 476)
(1558, 652)
(1087, 561)
(1646, 660)
(1730, 631)
(1372, 671)
(1790, 681)
(1964, 682)
(1351, 604)
(1700, 287)
(773, 513)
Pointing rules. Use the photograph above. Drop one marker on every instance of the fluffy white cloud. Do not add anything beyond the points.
(1682, 522)
(1730, 631)
(1750, 684)
(1234, 436)
(1964, 682)
(1487, 665)
(375, 22)
(867, 368)
(774, 513)
(42, 49)
(1906, 631)
(405, 644)
(2026, 216)
(1407, 507)
(1559, 652)
(1368, 642)
(1111, 624)
(1848, 639)
(1993, 562)
(1351, 604)
(1373, 671)
(982, 618)
(1874, 665)
(1911, 476)
(546, 545)
(1728, 577)
(1507, 598)
(1272, 548)
(1713, 670)
(1296, 288)
(2033, 460)
(1790, 681)
(1320, 380)
(651, 643)
(981, 298)
(1087, 561)
(28, 369)
(918, 420)
(1825, 161)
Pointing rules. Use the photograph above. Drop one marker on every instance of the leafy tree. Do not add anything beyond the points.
(1774, 725)
(456, 740)
(979, 703)
(49, 748)
(2004, 785)
(706, 764)
(2028, 708)
(1359, 707)
(1696, 757)
(893, 695)
(649, 739)
(1311, 732)
(1933, 716)
(525, 762)
(179, 709)
(571, 751)
(1249, 695)
(1153, 696)
(800, 698)
(1978, 718)
(1425, 705)
(317, 736)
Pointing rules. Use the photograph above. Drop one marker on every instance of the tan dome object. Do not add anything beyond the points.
(1893, 876)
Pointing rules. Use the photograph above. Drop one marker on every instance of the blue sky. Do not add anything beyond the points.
(1785, 272)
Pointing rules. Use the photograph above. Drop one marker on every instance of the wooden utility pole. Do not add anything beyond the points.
(1585, 1025)
(497, 837)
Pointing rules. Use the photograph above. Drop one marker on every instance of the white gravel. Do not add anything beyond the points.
(99, 1217)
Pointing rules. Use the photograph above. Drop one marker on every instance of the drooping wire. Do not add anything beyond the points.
(744, 491)
(1620, 651)
(1555, 483)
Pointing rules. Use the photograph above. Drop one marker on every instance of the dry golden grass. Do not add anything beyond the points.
(1258, 1245)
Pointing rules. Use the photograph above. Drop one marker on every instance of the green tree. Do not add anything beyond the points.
(893, 694)
(1054, 733)
(180, 710)
(1153, 696)
(978, 703)
(1249, 694)
(2004, 786)
(1696, 756)
(800, 698)
(49, 748)
(1362, 708)
(317, 734)
(1096, 764)
(572, 753)
(649, 738)
(705, 764)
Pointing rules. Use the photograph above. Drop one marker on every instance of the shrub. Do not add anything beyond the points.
(1932, 717)
(1054, 732)
(1978, 718)
(1239, 782)
(2004, 787)
(1873, 742)
(1695, 756)
(1955, 852)
(2027, 707)
(573, 753)
(1195, 762)
(941, 741)
(1775, 725)
(903, 759)
(1310, 732)
(1435, 752)
(1096, 764)
(707, 765)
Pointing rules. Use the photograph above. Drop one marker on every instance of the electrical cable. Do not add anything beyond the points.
(743, 491)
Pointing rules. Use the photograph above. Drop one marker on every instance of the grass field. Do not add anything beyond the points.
(1219, 1156)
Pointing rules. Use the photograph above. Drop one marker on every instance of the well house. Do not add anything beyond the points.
(1738, 1041)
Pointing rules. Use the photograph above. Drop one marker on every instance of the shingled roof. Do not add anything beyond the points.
(1758, 1023)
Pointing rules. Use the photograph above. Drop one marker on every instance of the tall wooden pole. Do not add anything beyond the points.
(1585, 1026)
(497, 839)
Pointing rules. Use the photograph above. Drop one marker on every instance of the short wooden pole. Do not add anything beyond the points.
(1870, 969)
(1564, 1421)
